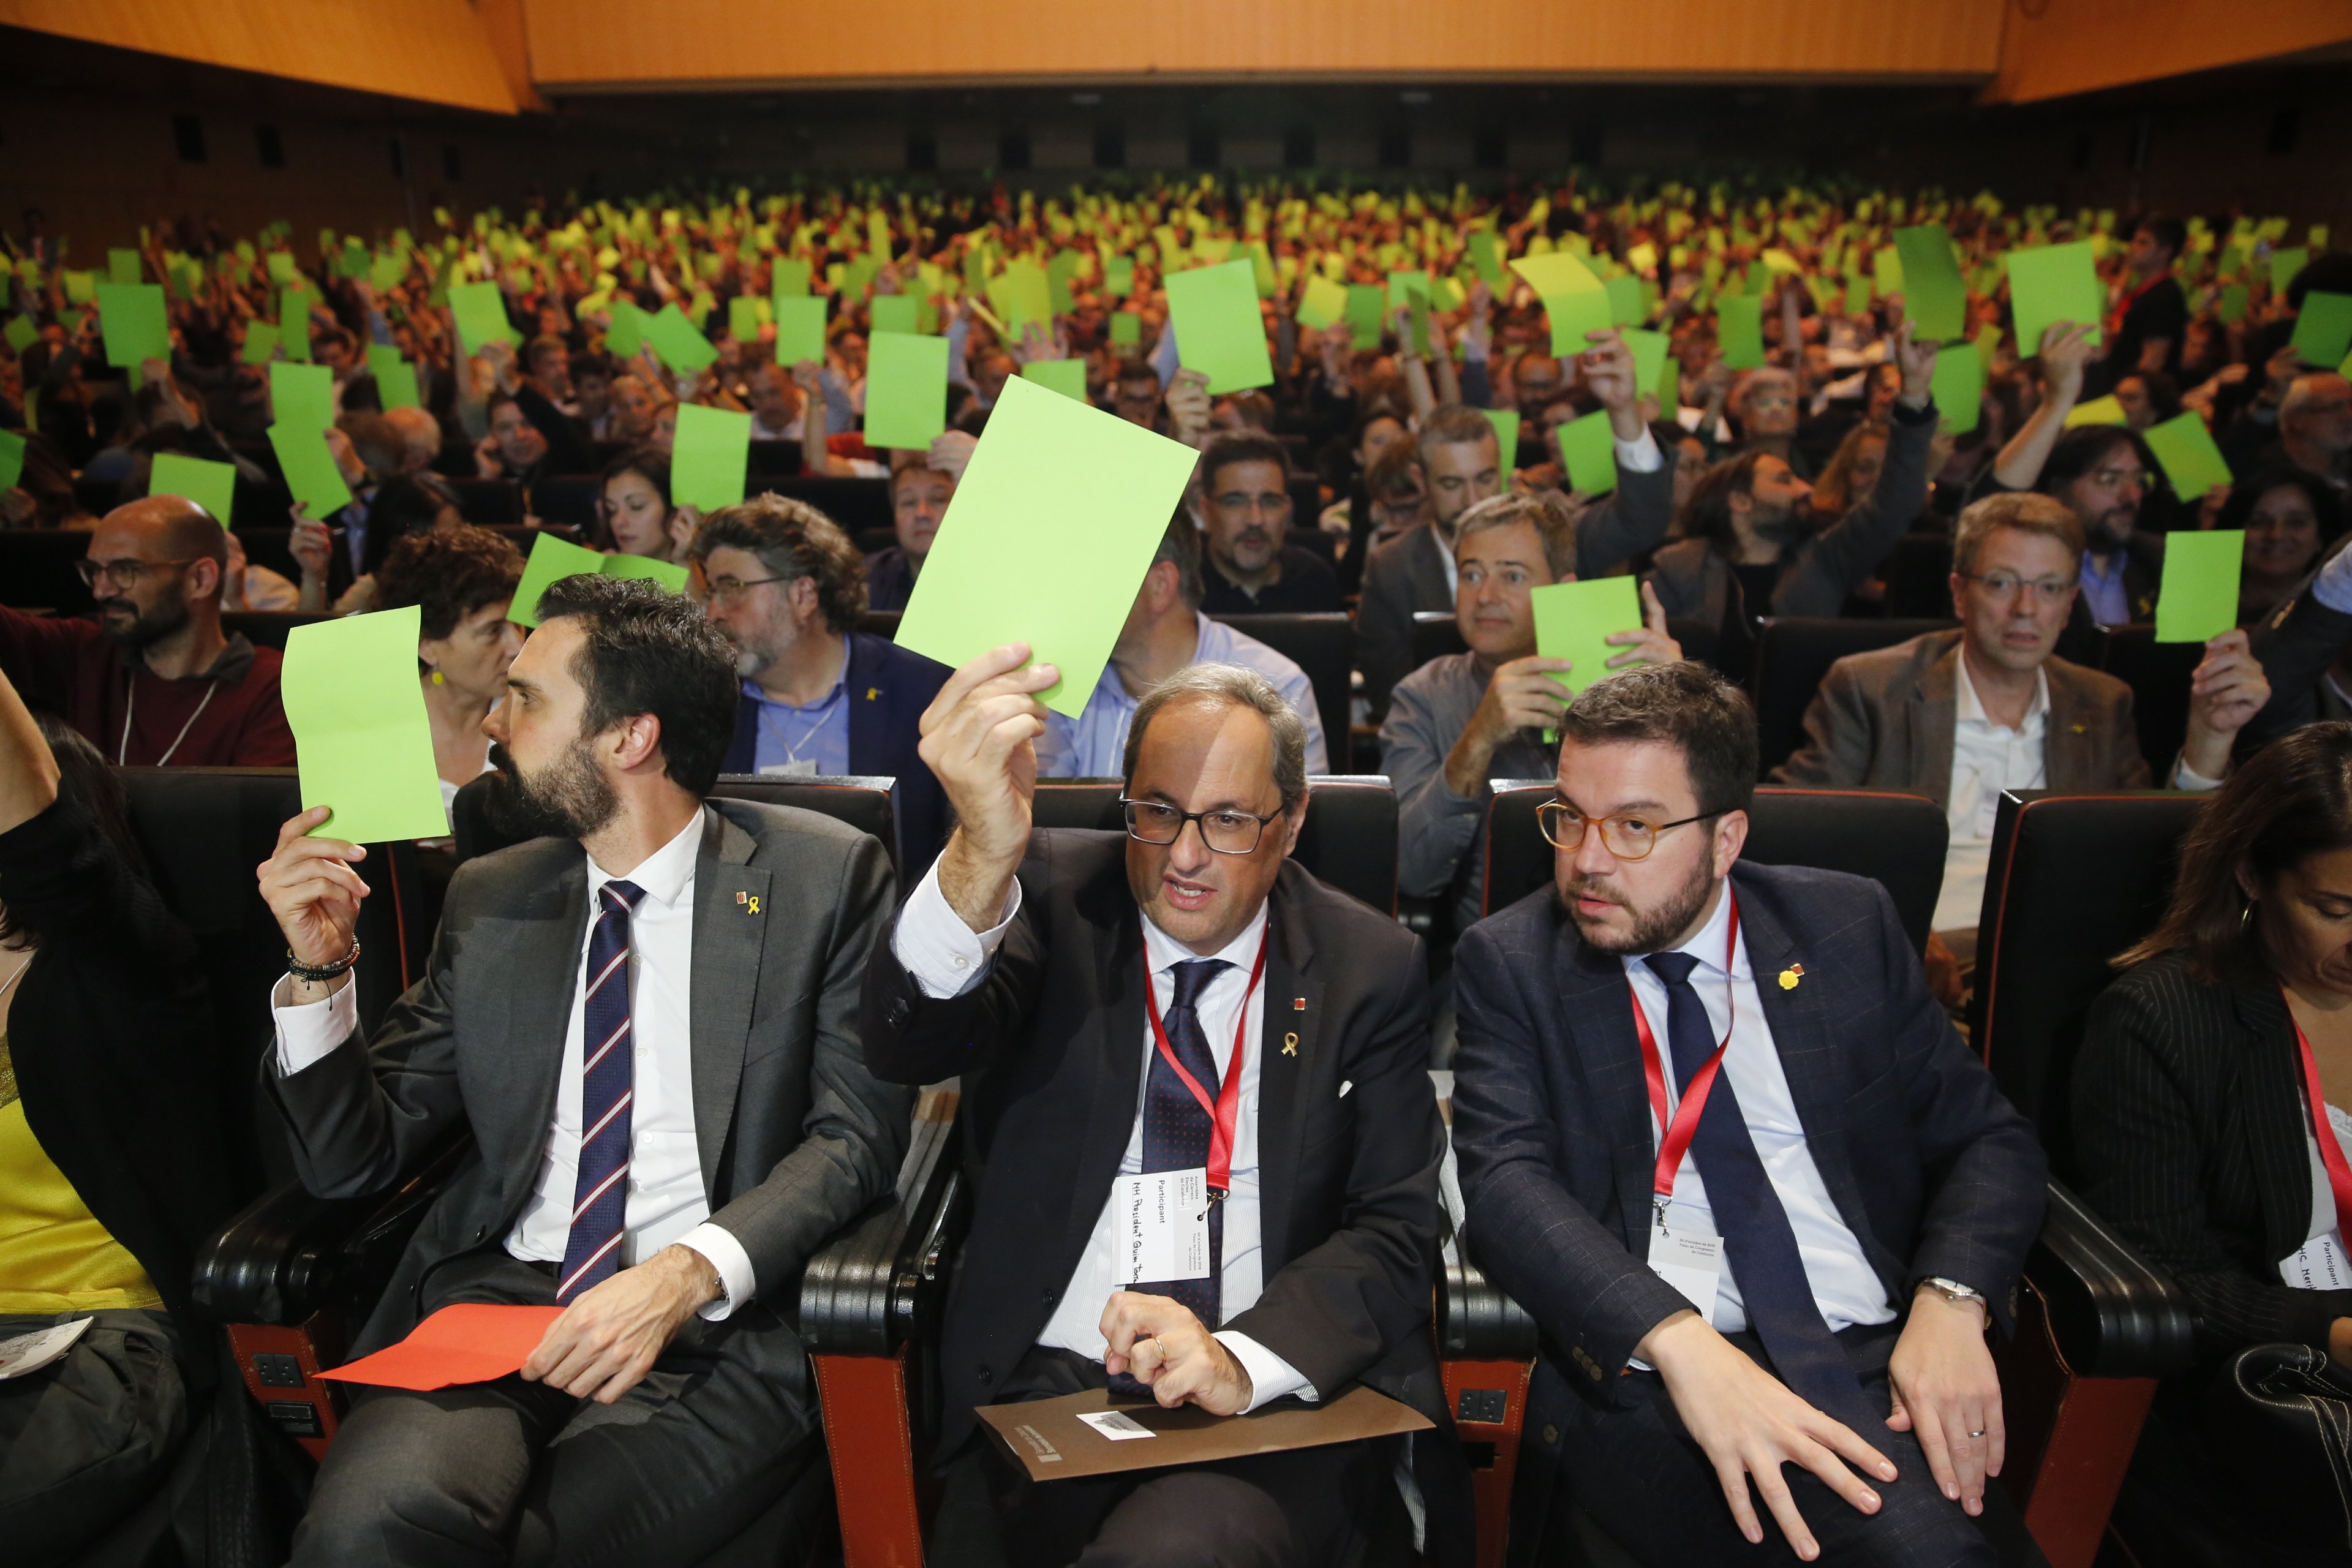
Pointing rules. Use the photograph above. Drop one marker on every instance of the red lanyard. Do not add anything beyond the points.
(1229, 1093)
(2331, 1152)
(1683, 1126)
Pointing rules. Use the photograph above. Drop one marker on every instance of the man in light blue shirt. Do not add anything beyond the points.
(1165, 631)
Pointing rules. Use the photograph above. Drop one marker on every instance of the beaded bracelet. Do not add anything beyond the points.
(302, 971)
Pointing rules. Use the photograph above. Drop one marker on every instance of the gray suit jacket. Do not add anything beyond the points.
(1884, 720)
(796, 1136)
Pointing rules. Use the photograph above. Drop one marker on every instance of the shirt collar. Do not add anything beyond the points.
(1970, 708)
(1707, 943)
(1164, 951)
(2091, 566)
(840, 677)
(664, 874)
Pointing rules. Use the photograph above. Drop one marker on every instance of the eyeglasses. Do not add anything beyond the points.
(1225, 830)
(2005, 585)
(733, 588)
(2116, 479)
(128, 571)
(1628, 836)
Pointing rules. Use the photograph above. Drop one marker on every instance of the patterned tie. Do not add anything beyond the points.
(1176, 1133)
(600, 1198)
(1761, 1247)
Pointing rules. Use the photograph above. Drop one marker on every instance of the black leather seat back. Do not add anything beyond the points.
(1349, 837)
(853, 504)
(36, 569)
(1324, 645)
(1434, 635)
(568, 499)
(269, 628)
(1794, 654)
(2157, 674)
(1918, 575)
(486, 816)
(2074, 881)
(1896, 839)
(489, 503)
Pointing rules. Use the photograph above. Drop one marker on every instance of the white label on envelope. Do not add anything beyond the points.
(1163, 1226)
(1689, 1260)
(1116, 1424)
(31, 1353)
(2320, 1266)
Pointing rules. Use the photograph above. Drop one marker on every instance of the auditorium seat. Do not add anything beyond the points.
(568, 499)
(2157, 674)
(269, 628)
(873, 541)
(775, 458)
(1306, 506)
(1349, 839)
(484, 816)
(1324, 645)
(1918, 576)
(852, 503)
(1794, 654)
(1435, 633)
(880, 622)
(1314, 541)
(36, 570)
(488, 502)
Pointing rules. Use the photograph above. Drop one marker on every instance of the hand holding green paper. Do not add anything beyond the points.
(361, 734)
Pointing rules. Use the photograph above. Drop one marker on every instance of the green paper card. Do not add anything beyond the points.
(743, 319)
(261, 342)
(1126, 330)
(1590, 450)
(1066, 376)
(1624, 300)
(710, 458)
(301, 397)
(1486, 256)
(1574, 315)
(309, 468)
(1935, 297)
(1739, 329)
(1649, 351)
(1119, 275)
(1958, 387)
(680, 341)
(2192, 464)
(624, 336)
(1367, 306)
(294, 323)
(2198, 599)
(2053, 283)
(81, 287)
(12, 457)
(361, 736)
(482, 313)
(1886, 270)
(788, 278)
(893, 312)
(123, 267)
(2098, 411)
(669, 573)
(1213, 311)
(132, 316)
(385, 271)
(1058, 273)
(1572, 619)
(800, 329)
(1505, 422)
(212, 486)
(551, 560)
(1051, 533)
(22, 334)
(1857, 295)
(905, 389)
(395, 378)
(1021, 295)
(1407, 286)
(2285, 265)
(1416, 312)
(2234, 300)
(2323, 331)
(1322, 304)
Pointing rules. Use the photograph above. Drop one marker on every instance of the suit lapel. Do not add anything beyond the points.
(1594, 991)
(2067, 740)
(1430, 568)
(866, 710)
(1937, 709)
(544, 964)
(1287, 1043)
(2274, 1127)
(731, 911)
(1116, 932)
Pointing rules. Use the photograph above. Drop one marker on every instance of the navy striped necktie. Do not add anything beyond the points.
(607, 1085)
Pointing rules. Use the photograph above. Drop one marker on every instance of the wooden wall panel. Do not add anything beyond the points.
(434, 50)
(616, 45)
(2060, 46)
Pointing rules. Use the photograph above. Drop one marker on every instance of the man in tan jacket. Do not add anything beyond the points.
(1961, 716)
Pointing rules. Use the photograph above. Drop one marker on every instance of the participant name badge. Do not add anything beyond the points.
(1163, 1226)
(1688, 1260)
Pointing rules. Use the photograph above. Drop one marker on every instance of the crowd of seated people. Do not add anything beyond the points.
(1858, 1265)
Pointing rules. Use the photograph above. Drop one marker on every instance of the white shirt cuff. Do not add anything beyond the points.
(2187, 778)
(307, 1031)
(946, 956)
(1640, 457)
(2333, 587)
(1270, 1376)
(720, 1248)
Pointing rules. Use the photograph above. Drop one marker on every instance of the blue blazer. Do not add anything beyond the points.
(1933, 1170)
(889, 689)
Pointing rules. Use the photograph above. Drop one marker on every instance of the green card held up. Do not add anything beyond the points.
(553, 559)
(2323, 330)
(1049, 535)
(680, 341)
(309, 468)
(12, 459)
(1126, 330)
(22, 334)
(294, 323)
(1021, 295)
(1505, 422)
(2053, 283)
(788, 278)
(1322, 304)
(1958, 387)
(905, 389)
(261, 342)
(1066, 376)
(2198, 599)
(361, 736)
(2192, 464)
(1213, 311)
(1119, 275)
(2098, 411)
(669, 574)
(625, 335)
(482, 313)
(1486, 257)
(123, 267)
(1649, 351)
(1367, 305)
(1740, 330)
(1624, 300)
(799, 328)
(2285, 265)
(395, 378)
(132, 317)
(1588, 448)
(893, 312)
(1934, 296)
(301, 397)
(710, 458)
(743, 319)
(1572, 619)
(212, 486)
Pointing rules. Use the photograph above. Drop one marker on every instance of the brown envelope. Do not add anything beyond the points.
(1047, 1439)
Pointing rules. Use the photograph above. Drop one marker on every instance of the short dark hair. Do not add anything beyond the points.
(1134, 370)
(647, 650)
(1707, 514)
(448, 573)
(2084, 448)
(381, 449)
(2167, 232)
(402, 504)
(2247, 494)
(1689, 707)
(593, 362)
(1181, 544)
(85, 783)
(792, 538)
(1241, 446)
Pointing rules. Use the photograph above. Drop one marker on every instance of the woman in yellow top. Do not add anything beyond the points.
(111, 1166)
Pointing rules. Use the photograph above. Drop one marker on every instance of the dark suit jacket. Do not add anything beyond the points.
(1883, 719)
(1050, 1048)
(2296, 642)
(889, 689)
(796, 1136)
(2188, 1133)
(1934, 1172)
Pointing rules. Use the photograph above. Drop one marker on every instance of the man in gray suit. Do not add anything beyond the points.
(648, 1030)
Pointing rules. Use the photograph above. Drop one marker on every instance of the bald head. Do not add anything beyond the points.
(420, 436)
(159, 569)
(166, 527)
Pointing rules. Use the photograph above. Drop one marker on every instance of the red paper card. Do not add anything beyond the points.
(470, 1343)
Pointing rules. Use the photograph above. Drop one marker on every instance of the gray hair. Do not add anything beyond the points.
(1235, 686)
(1546, 511)
(2304, 391)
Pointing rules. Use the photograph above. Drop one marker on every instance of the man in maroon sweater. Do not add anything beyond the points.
(153, 679)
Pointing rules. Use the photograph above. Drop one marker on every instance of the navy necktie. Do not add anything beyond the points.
(600, 1202)
(1757, 1243)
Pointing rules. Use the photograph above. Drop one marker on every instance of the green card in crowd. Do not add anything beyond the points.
(1571, 619)
(893, 312)
(12, 459)
(788, 278)
(2323, 328)
(1215, 314)
(361, 737)
(905, 389)
(261, 342)
(1322, 304)
(1934, 296)
(309, 468)
(301, 395)
(2192, 463)
(1505, 422)
(1126, 330)
(1589, 448)
(2105, 410)
(678, 341)
(1366, 304)
(1649, 351)
(553, 559)
(2199, 598)
(625, 334)
(481, 313)
(132, 317)
(212, 486)
(799, 328)
(1739, 329)
(711, 457)
(294, 323)
(123, 267)
(1958, 387)
(1066, 376)
(395, 378)
(1051, 532)
(2052, 283)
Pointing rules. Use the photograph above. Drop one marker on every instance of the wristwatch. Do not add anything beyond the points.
(1953, 1292)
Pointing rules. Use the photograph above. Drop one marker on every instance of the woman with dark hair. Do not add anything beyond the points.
(114, 1169)
(2289, 516)
(462, 579)
(635, 516)
(2212, 1113)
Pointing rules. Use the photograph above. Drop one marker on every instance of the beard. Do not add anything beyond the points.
(142, 628)
(2112, 528)
(1654, 928)
(1789, 525)
(568, 799)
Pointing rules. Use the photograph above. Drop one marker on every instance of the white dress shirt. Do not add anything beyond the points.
(667, 1201)
(947, 958)
(1986, 758)
(2323, 1263)
(1845, 1287)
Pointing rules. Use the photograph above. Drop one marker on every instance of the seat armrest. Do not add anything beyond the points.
(879, 1282)
(2112, 1312)
(288, 1253)
(1476, 1320)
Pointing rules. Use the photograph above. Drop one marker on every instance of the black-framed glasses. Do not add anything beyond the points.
(1226, 830)
(2004, 585)
(733, 588)
(1629, 836)
(126, 571)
